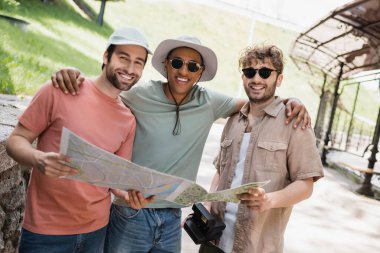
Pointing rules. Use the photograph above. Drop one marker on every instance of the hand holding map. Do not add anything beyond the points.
(99, 167)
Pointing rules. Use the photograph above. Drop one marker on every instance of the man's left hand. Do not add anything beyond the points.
(133, 198)
(295, 109)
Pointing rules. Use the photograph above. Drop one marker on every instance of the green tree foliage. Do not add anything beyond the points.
(8, 4)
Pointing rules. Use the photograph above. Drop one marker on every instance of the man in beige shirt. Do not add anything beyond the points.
(257, 146)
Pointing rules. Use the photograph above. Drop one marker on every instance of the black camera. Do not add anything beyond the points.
(202, 227)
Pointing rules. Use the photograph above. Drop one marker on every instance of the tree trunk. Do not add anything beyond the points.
(101, 12)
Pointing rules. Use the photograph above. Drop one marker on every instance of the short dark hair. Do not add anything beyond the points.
(260, 53)
(111, 49)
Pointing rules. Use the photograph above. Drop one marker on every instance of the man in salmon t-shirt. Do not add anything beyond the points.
(62, 215)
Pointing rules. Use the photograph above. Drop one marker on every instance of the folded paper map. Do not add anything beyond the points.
(99, 167)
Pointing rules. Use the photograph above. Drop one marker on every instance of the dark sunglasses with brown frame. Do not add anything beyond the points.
(264, 72)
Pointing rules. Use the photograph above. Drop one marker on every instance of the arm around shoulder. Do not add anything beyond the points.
(294, 109)
(67, 80)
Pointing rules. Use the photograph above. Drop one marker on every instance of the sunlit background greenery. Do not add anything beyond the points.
(61, 35)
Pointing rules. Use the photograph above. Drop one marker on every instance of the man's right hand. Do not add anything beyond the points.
(53, 164)
(68, 80)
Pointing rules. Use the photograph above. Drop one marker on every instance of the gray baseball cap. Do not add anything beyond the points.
(210, 60)
(128, 36)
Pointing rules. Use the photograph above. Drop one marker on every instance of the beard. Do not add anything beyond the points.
(259, 100)
(112, 78)
(268, 94)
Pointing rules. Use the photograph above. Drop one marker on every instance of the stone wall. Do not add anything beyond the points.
(13, 178)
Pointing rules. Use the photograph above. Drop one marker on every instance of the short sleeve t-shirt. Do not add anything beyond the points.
(155, 146)
(59, 206)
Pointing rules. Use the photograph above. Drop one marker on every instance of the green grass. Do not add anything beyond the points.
(60, 35)
(57, 36)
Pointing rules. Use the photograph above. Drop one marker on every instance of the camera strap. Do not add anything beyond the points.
(209, 247)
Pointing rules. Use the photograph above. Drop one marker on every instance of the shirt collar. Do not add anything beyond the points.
(273, 109)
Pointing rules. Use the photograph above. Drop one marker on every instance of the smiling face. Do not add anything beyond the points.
(260, 85)
(125, 66)
(181, 80)
(258, 89)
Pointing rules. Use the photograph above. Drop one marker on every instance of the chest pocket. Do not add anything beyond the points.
(225, 153)
(272, 155)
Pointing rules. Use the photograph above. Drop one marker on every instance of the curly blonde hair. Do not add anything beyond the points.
(260, 53)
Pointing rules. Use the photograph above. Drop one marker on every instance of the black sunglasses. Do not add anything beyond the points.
(192, 66)
(264, 72)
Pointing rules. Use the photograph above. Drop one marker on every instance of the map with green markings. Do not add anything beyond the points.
(99, 167)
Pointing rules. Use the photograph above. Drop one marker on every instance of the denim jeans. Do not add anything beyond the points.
(92, 242)
(142, 231)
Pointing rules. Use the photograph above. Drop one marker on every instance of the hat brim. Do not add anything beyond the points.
(210, 60)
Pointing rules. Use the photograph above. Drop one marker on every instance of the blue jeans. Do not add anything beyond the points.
(142, 231)
(92, 242)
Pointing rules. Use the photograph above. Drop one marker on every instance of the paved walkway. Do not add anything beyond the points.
(333, 220)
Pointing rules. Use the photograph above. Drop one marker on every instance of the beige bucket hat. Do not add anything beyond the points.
(210, 60)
